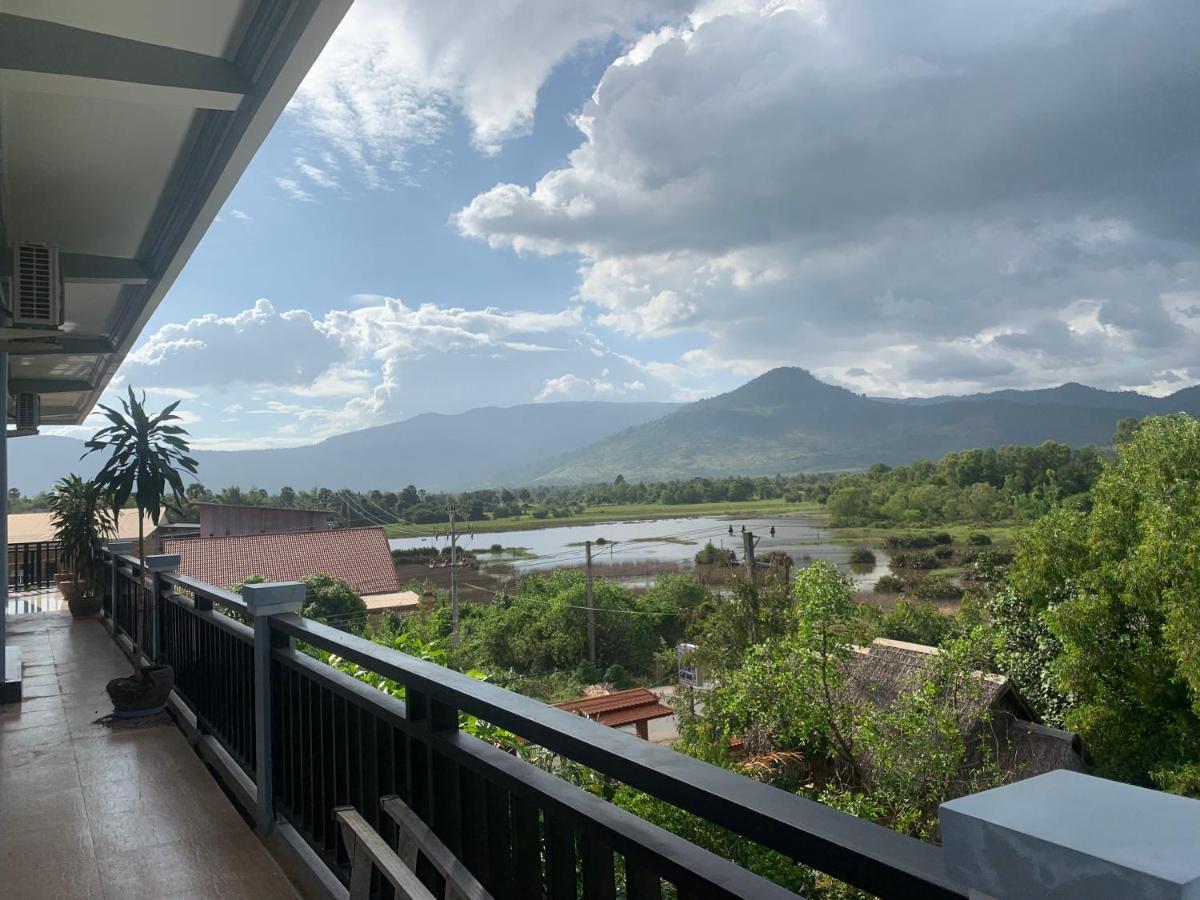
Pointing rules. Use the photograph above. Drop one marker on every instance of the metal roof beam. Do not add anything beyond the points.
(84, 268)
(49, 385)
(47, 57)
(58, 342)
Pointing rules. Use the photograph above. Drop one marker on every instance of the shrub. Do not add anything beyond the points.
(711, 555)
(862, 556)
(914, 561)
(617, 676)
(979, 539)
(496, 548)
(917, 622)
(944, 553)
(942, 538)
(889, 584)
(937, 588)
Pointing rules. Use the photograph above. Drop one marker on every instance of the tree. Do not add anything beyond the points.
(1120, 587)
(287, 496)
(334, 602)
(146, 456)
(83, 521)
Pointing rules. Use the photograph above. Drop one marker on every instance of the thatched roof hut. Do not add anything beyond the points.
(993, 711)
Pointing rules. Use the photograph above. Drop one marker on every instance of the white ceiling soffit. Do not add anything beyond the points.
(123, 129)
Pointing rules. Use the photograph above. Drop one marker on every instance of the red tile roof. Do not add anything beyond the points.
(360, 556)
(620, 707)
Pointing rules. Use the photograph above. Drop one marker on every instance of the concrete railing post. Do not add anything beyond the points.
(1068, 835)
(156, 566)
(262, 602)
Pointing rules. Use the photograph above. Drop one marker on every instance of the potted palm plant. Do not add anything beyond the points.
(83, 521)
(147, 453)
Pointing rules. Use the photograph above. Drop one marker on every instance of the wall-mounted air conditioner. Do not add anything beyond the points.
(37, 286)
(27, 410)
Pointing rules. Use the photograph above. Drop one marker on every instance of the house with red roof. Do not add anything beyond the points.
(359, 556)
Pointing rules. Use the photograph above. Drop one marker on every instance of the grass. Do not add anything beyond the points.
(506, 553)
(1001, 535)
(620, 513)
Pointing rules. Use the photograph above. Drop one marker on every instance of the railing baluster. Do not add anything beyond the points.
(641, 882)
(597, 870)
(499, 843)
(527, 850)
(560, 860)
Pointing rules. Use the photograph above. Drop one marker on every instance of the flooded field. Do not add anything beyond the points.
(636, 552)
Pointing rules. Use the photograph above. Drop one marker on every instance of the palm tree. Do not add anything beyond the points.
(83, 520)
(147, 456)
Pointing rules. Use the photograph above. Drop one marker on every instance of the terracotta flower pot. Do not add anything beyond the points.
(70, 590)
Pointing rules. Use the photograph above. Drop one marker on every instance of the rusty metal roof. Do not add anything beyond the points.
(620, 707)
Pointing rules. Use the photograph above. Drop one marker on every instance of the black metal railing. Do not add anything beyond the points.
(32, 565)
(336, 741)
(213, 658)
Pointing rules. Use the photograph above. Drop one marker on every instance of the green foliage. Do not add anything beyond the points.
(332, 601)
(749, 614)
(1131, 646)
(1012, 483)
(916, 621)
(146, 456)
(543, 627)
(912, 560)
(979, 539)
(802, 730)
(862, 556)
(84, 522)
(711, 555)
(889, 584)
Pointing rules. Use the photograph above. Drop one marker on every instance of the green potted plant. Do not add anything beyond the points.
(83, 521)
(146, 455)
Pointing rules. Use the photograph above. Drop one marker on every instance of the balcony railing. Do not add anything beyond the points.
(32, 565)
(313, 739)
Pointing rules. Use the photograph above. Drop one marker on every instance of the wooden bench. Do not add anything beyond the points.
(369, 852)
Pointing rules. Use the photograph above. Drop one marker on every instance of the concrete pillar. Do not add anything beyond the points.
(4, 522)
(1068, 835)
(262, 602)
(156, 565)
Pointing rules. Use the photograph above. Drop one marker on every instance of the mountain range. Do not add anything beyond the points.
(783, 421)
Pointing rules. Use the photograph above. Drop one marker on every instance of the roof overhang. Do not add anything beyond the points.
(123, 130)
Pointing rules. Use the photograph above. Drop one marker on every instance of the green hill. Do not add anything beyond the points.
(788, 421)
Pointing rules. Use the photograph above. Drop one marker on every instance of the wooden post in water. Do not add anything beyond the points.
(591, 606)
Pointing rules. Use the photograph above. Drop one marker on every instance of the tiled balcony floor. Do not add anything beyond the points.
(91, 812)
(35, 601)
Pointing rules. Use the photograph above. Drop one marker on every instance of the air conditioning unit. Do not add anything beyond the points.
(37, 286)
(27, 410)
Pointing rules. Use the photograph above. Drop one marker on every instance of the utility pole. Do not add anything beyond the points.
(591, 607)
(453, 579)
(748, 552)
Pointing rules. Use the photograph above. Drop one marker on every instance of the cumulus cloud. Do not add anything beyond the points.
(378, 361)
(397, 71)
(933, 193)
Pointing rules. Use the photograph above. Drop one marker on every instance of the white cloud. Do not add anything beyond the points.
(294, 191)
(396, 71)
(241, 216)
(822, 183)
(378, 361)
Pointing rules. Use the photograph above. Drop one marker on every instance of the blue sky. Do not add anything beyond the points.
(471, 205)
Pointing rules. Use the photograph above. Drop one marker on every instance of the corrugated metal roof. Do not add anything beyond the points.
(620, 707)
(359, 556)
